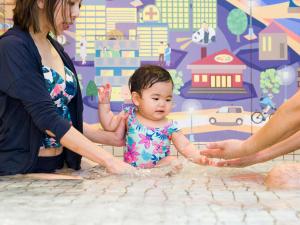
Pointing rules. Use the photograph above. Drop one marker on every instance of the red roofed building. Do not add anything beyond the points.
(273, 43)
(221, 72)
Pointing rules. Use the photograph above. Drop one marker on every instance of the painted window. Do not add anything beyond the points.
(107, 73)
(264, 43)
(127, 72)
(128, 54)
(238, 78)
(269, 43)
(204, 78)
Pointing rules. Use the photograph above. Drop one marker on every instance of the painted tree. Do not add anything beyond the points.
(177, 80)
(270, 81)
(91, 89)
(237, 22)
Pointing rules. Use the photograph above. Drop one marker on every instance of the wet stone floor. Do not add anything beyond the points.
(196, 195)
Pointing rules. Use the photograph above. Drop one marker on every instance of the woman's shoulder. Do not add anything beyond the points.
(11, 42)
(15, 35)
(16, 42)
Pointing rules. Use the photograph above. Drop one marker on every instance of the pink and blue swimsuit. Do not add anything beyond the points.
(146, 145)
(61, 91)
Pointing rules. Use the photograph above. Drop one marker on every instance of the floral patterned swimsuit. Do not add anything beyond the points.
(61, 92)
(145, 145)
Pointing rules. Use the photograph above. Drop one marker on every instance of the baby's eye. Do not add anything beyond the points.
(169, 100)
(155, 99)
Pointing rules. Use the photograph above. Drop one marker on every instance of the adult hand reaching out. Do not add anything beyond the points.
(239, 162)
(228, 149)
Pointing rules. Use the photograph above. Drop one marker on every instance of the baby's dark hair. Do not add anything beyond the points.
(147, 75)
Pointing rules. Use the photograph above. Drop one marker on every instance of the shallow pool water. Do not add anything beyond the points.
(196, 195)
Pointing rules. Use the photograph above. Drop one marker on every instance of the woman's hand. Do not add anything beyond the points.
(229, 149)
(117, 166)
(238, 162)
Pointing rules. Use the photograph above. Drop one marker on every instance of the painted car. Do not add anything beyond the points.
(228, 114)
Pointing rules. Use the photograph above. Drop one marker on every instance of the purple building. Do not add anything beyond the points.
(273, 43)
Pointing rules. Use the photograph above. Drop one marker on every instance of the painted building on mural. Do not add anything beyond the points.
(115, 61)
(90, 26)
(151, 32)
(204, 11)
(120, 15)
(176, 13)
(221, 72)
(6, 14)
(273, 43)
(188, 14)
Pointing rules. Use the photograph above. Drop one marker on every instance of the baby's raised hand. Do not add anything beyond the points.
(104, 94)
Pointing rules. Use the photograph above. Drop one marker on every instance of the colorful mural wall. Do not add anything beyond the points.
(233, 61)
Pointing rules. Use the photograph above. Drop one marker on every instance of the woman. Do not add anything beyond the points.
(40, 100)
(279, 136)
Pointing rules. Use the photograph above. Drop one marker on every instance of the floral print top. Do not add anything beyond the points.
(145, 145)
(61, 91)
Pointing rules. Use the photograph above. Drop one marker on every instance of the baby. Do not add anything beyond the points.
(149, 132)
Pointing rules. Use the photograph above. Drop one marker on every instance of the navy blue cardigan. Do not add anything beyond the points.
(26, 109)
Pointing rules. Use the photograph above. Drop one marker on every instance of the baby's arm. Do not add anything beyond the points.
(108, 120)
(187, 149)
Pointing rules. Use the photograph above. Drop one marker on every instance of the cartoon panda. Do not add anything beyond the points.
(204, 36)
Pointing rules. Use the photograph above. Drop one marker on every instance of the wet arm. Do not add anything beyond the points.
(187, 149)
(284, 147)
(284, 123)
(108, 120)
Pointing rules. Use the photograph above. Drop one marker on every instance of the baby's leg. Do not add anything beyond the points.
(284, 176)
(173, 162)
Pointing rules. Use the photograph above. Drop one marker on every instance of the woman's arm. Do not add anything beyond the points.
(284, 123)
(187, 149)
(284, 147)
(78, 143)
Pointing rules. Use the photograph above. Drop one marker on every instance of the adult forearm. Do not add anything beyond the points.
(284, 147)
(284, 123)
(80, 144)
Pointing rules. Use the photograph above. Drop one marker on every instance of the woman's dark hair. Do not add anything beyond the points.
(147, 75)
(26, 13)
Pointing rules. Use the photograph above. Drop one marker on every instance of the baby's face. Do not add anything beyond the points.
(156, 101)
